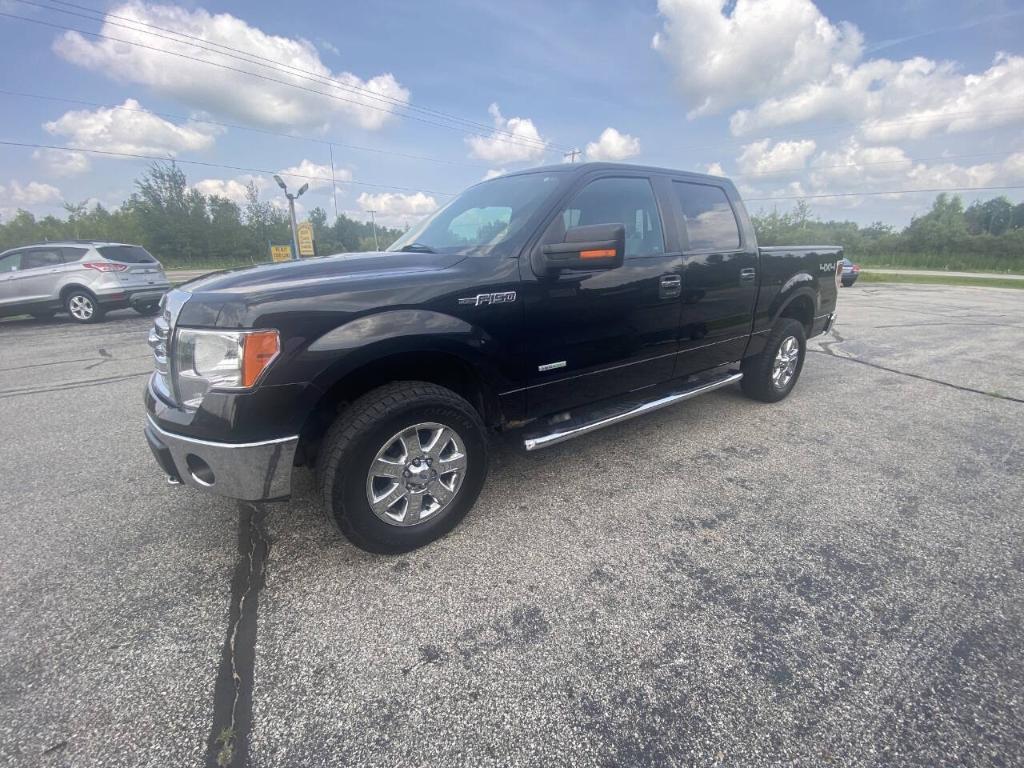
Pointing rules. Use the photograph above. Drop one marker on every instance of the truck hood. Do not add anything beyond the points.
(292, 274)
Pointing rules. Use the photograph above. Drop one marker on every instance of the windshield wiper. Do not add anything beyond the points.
(417, 248)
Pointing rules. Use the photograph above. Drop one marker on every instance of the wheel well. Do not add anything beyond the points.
(801, 309)
(439, 368)
(73, 287)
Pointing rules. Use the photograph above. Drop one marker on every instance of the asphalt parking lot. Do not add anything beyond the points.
(834, 580)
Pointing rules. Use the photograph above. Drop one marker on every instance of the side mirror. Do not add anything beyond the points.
(595, 246)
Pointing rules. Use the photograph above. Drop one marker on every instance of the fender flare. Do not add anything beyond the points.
(799, 285)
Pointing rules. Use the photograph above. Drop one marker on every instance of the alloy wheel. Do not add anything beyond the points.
(416, 474)
(786, 360)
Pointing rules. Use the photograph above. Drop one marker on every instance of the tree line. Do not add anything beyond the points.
(986, 235)
(181, 226)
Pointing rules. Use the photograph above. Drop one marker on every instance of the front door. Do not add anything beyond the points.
(36, 279)
(596, 334)
(719, 279)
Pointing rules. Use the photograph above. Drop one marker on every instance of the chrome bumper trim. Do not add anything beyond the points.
(250, 471)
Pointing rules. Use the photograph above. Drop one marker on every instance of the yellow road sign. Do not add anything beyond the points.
(304, 235)
(281, 252)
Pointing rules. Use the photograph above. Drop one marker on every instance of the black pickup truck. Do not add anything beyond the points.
(554, 301)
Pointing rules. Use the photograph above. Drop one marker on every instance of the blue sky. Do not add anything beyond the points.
(791, 98)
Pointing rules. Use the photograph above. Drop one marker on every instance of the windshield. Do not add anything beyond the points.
(481, 217)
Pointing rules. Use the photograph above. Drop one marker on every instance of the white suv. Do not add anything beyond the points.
(84, 278)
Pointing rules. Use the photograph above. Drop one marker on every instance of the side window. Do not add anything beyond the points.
(10, 262)
(73, 254)
(625, 201)
(710, 222)
(41, 258)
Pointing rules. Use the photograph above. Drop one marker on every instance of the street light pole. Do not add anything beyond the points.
(291, 210)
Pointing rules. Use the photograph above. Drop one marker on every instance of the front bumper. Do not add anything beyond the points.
(250, 471)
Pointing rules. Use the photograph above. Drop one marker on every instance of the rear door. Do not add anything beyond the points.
(595, 334)
(720, 279)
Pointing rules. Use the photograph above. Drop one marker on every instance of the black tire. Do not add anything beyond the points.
(362, 430)
(758, 382)
(75, 303)
(147, 310)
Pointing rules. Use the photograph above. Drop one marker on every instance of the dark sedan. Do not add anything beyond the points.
(850, 273)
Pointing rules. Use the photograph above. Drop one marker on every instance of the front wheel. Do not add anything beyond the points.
(83, 307)
(402, 466)
(771, 375)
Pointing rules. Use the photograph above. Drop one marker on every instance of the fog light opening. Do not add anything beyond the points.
(199, 470)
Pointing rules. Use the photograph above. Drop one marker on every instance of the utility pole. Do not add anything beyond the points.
(334, 184)
(373, 221)
(572, 155)
(291, 209)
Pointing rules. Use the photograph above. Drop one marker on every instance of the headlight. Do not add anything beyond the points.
(205, 360)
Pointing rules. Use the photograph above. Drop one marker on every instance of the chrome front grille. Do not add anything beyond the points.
(161, 341)
(159, 337)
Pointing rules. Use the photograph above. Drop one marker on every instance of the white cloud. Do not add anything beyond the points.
(784, 62)
(130, 129)
(17, 194)
(765, 157)
(894, 100)
(612, 145)
(317, 176)
(714, 169)
(857, 168)
(759, 48)
(515, 139)
(494, 173)
(62, 163)
(233, 189)
(221, 91)
(397, 204)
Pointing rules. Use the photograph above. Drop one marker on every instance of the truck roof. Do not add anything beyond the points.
(581, 168)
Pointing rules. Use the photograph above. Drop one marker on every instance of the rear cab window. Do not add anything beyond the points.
(708, 218)
(126, 254)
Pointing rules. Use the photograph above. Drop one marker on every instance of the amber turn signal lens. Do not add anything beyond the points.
(602, 253)
(260, 348)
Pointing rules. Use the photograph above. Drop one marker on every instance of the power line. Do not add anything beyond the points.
(884, 192)
(158, 158)
(254, 58)
(236, 126)
(336, 97)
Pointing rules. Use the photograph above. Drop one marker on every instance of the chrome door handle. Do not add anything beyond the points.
(670, 287)
(748, 274)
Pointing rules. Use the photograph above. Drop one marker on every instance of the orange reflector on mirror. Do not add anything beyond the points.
(601, 253)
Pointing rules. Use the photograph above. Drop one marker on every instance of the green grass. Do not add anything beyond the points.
(996, 264)
(981, 282)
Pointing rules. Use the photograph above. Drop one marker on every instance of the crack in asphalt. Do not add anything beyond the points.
(4, 394)
(228, 742)
(826, 349)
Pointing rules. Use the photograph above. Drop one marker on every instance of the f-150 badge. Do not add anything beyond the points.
(489, 298)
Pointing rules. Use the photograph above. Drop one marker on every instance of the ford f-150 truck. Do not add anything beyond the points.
(554, 301)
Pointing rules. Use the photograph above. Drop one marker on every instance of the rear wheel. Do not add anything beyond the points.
(402, 466)
(771, 375)
(83, 307)
(147, 310)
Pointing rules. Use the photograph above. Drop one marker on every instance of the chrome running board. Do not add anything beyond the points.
(632, 410)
